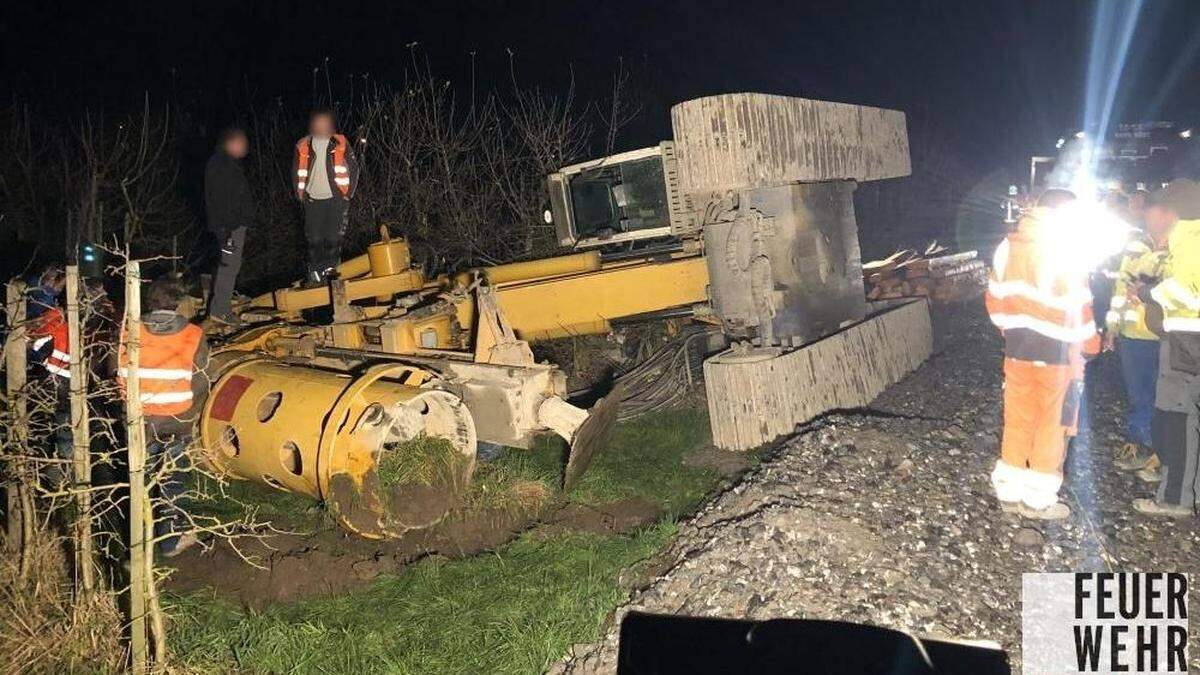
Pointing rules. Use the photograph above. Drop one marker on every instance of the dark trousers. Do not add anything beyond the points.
(1176, 432)
(167, 466)
(61, 469)
(1139, 369)
(227, 271)
(324, 227)
(1102, 292)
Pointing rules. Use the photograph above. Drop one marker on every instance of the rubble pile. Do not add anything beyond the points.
(935, 274)
(885, 515)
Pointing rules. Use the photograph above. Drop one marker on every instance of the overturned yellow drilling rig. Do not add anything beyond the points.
(744, 221)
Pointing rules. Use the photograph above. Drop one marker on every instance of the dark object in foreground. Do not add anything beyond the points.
(655, 643)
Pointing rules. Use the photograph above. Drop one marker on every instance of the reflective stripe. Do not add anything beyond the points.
(341, 181)
(167, 397)
(303, 173)
(301, 185)
(1118, 302)
(340, 169)
(1172, 294)
(1113, 316)
(61, 372)
(1051, 330)
(1181, 324)
(41, 342)
(159, 373)
(61, 356)
(1070, 301)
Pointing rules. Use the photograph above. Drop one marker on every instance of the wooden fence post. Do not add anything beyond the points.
(136, 434)
(19, 495)
(80, 436)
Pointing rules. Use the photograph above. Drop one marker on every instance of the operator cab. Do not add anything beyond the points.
(625, 198)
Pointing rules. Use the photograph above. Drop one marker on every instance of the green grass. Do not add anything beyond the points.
(512, 611)
(424, 460)
(645, 459)
(251, 502)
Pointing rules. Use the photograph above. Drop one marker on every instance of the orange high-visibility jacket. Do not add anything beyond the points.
(339, 166)
(165, 369)
(1044, 313)
(51, 327)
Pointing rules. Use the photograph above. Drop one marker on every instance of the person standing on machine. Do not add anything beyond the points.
(326, 173)
(229, 203)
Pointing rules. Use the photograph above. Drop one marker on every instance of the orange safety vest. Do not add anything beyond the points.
(165, 367)
(1046, 317)
(52, 327)
(341, 170)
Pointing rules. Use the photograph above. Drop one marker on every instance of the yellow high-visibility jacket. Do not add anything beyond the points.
(1179, 292)
(1140, 260)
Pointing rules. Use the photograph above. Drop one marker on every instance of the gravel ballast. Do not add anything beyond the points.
(886, 516)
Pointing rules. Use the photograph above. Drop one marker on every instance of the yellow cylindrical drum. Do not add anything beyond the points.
(324, 434)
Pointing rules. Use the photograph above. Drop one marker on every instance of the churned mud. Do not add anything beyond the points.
(331, 560)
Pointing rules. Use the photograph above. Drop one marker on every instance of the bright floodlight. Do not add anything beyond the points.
(1185, 134)
(1061, 142)
(1080, 134)
(1082, 234)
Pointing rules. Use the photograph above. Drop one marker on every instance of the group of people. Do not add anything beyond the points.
(325, 173)
(173, 352)
(1146, 308)
(171, 376)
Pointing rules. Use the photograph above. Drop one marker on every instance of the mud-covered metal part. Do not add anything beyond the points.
(784, 265)
(324, 434)
(592, 436)
(756, 396)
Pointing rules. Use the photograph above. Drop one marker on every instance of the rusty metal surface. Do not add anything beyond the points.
(748, 140)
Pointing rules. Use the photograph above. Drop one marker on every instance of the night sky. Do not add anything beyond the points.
(995, 81)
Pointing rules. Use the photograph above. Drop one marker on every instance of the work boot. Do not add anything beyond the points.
(230, 320)
(1151, 507)
(1152, 472)
(1056, 511)
(1132, 456)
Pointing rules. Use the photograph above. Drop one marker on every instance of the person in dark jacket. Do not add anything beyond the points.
(326, 175)
(45, 294)
(230, 206)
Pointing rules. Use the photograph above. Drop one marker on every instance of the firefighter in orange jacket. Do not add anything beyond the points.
(326, 174)
(51, 341)
(1045, 314)
(173, 384)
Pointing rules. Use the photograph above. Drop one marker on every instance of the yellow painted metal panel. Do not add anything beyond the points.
(585, 303)
(292, 300)
(527, 270)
